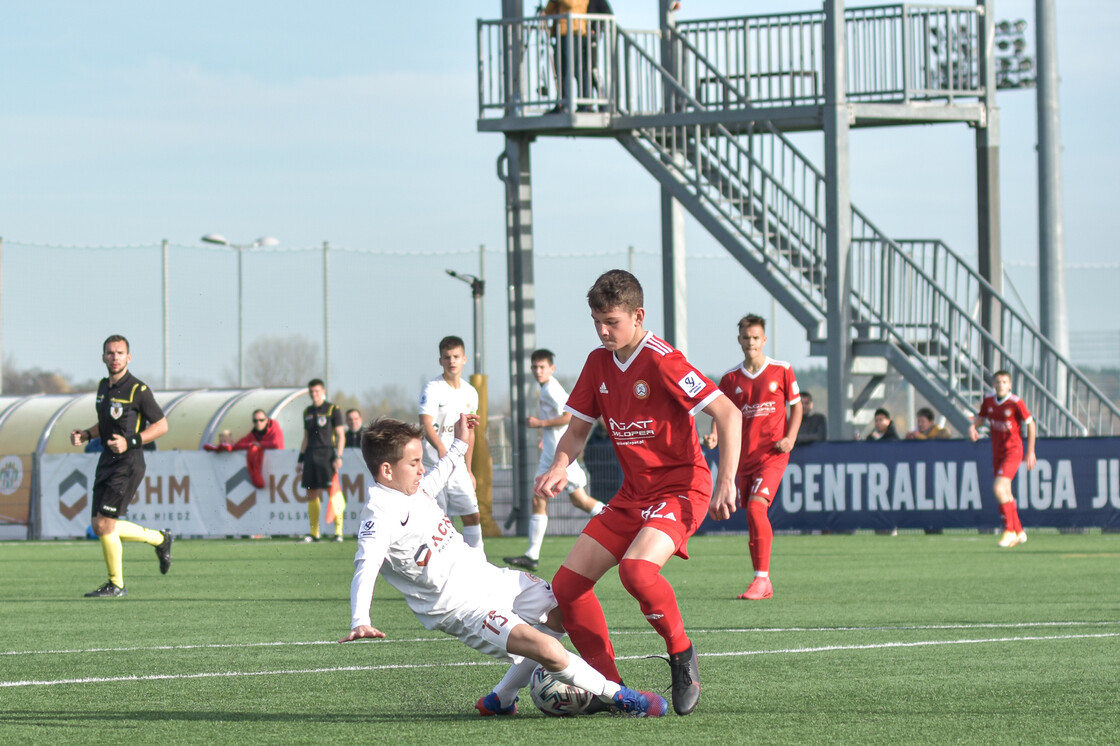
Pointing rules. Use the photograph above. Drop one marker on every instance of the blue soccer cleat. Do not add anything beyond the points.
(491, 705)
(640, 704)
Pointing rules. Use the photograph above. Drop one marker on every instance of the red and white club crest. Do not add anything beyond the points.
(1007, 413)
(641, 389)
(773, 386)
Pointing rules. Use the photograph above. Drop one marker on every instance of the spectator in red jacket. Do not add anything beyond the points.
(265, 435)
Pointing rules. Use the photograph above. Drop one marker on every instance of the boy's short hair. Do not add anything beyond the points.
(807, 395)
(616, 289)
(999, 373)
(317, 382)
(115, 338)
(751, 319)
(542, 354)
(353, 411)
(450, 342)
(881, 411)
(926, 412)
(384, 441)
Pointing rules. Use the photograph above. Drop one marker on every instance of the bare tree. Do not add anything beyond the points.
(36, 381)
(281, 361)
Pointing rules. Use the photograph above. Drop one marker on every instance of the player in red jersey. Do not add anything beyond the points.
(761, 388)
(647, 394)
(1006, 413)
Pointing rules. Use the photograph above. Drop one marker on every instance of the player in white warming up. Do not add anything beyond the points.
(507, 614)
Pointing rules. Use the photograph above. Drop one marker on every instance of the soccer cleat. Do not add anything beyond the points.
(525, 562)
(307, 539)
(1009, 539)
(598, 704)
(163, 551)
(759, 589)
(108, 591)
(1021, 537)
(686, 680)
(640, 704)
(491, 705)
(336, 538)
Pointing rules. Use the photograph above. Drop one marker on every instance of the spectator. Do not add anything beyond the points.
(265, 434)
(814, 426)
(884, 428)
(353, 429)
(561, 36)
(927, 429)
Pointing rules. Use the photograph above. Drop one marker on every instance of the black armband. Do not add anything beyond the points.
(88, 434)
(135, 442)
(300, 459)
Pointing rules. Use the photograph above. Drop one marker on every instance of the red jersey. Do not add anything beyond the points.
(1005, 419)
(762, 398)
(648, 404)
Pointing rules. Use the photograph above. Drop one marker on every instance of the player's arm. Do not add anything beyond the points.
(302, 452)
(549, 484)
(1031, 434)
(431, 435)
(119, 444)
(728, 422)
(77, 437)
(977, 421)
(796, 412)
(563, 419)
(361, 595)
(340, 441)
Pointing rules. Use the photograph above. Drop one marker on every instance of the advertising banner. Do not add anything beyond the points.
(195, 493)
(940, 484)
(15, 489)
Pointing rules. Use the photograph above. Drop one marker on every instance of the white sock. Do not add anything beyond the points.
(762, 573)
(596, 509)
(473, 536)
(516, 679)
(538, 525)
(580, 673)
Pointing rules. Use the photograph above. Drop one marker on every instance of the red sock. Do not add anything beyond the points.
(1010, 515)
(762, 534)
(644, 581)
(584, 621)
(1013, 513)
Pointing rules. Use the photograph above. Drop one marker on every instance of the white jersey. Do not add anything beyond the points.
(552, 400)
(414, 545)
(444, 405)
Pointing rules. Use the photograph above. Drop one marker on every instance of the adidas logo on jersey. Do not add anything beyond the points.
(603, 388)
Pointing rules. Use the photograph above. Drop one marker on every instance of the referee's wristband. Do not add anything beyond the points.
(300, 459)
(135, 442)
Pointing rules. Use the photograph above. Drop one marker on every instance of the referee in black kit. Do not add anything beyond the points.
(320, 453)
(128, 417)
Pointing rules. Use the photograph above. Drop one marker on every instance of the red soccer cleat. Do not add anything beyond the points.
(759, 589)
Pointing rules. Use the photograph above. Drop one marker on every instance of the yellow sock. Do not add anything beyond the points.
(132, 532)
(111, 548)
(338, 511)
(313, 516)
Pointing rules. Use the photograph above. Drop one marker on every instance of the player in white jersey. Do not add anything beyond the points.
(507, 614)
(441, 403)
(553, 422)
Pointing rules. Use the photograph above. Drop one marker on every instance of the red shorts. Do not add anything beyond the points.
(677, 516)
(1006, 464)
(761, 480)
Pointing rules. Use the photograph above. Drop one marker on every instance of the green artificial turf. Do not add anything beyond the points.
(868, 639)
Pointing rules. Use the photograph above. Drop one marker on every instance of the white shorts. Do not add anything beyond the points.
(516, 598)
(458, 496)
(576, 478)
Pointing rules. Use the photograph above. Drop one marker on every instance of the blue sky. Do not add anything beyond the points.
(354, 123)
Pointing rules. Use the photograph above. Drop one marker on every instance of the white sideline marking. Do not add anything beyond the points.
(461, 664)
(445, 638)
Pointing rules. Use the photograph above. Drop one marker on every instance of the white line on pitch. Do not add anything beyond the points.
(461, 664)
(389, 641)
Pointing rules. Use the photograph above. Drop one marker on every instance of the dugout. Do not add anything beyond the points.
(41, 423)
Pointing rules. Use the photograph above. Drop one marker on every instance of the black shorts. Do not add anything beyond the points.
(115, 484)
(318, 468)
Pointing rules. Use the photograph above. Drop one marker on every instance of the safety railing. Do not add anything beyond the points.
(542, 64)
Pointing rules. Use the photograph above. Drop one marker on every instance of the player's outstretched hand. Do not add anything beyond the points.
(464, 425)
(363, 631)
(550, 484)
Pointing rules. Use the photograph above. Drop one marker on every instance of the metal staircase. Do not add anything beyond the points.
(914, 303)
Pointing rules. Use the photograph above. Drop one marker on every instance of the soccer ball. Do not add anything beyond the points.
(556, 698)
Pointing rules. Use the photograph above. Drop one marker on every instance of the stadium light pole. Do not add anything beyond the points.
(223, 241)
(478, 290)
